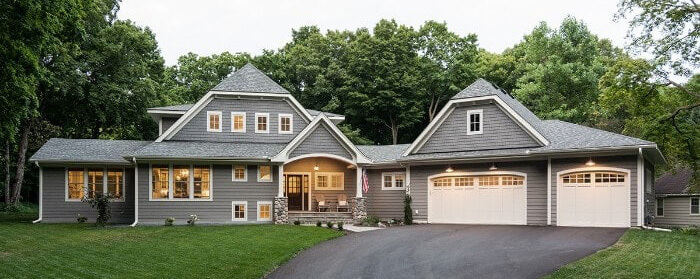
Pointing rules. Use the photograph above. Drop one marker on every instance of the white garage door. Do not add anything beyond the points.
(478, 199)
(593, 199)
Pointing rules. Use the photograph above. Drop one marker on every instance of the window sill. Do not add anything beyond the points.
(180, 200)
(393, 189)
(239, 180)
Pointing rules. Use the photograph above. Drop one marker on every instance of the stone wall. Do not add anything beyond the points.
(281, 211)
(359, 208)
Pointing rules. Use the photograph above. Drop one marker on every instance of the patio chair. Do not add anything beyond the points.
(322, 203)
(343, 203)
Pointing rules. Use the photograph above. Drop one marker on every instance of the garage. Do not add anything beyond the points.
(599, 198)
(478, 198)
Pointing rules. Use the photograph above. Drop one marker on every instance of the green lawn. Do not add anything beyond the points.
(73, 250)
(641, 254)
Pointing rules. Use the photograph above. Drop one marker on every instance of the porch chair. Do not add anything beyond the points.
(343, 203)
(322, 204)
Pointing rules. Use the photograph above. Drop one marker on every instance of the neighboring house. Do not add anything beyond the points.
(676, 205)
(248, 152)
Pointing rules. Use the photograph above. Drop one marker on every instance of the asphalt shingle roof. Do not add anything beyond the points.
(674, 183)
(383, 153)
(183, 107)
(87, 150)
(194, 149)
(249, 79)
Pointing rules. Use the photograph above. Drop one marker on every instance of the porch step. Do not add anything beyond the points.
(309, 217)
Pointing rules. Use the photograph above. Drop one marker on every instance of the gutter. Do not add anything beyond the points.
(656, 229)
(136, 193)
(41, 194)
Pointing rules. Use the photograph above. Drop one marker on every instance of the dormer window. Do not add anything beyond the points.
(213, 121)
(475, 122)
(238, 122)
(262, 122)
(285, 123)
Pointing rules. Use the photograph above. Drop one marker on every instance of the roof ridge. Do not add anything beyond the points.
(249, 79)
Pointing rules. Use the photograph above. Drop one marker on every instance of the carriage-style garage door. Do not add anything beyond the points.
(478, 199)
(593, 199)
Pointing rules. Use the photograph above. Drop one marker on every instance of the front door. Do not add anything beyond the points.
(296, 192)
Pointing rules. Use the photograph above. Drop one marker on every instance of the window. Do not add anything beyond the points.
(330, 181)
(95, 182)
(159, 182)
(464, 181)
(606, 177)
(442, 182)
(393, 181)
(181, 179)
(201, 182)
(238, 122)
(213, 121)
(115, 184)
(264, 211)
(475, 122)
(488, 180)
(576, 178)
(285, 123)
(239, 211)
(512, 180)
(264, 173)
(76, 184)
(239, 173)
(261, 122)
(694, 206)
(660, 207)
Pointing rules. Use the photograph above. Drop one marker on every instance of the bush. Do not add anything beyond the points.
(329, 224)
(407, 210)
(193, 219)
(169, 221)
(18, 207)
(81, 218)
(101, 202)
(297, 222)
(692, 230)
(340, 226)
(371, 221)
(319, 224)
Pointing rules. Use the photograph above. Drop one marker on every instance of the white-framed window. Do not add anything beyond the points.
(180, 182)
(214, 121)
(88, 182)
(239, 211)
(442, 182)
(490, 180)
(475, 122)
(264, 173)
(330, 181)
(464, 181)
(393, 181)
(262, 122)
(285, 123)
(264, 211)
(239, 173)
(660, 207)
(238, 122)
(483, 181)
(694, 206)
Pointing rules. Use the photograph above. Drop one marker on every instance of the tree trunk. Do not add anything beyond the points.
(394, 131)
(432, 108)
(6, 159)
(21, 156)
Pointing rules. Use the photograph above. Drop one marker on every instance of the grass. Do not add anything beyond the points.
(83, 250)
(641, 254)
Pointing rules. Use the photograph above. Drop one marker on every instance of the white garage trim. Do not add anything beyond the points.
(593, 170)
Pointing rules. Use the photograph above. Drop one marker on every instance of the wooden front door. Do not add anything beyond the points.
(297, 191)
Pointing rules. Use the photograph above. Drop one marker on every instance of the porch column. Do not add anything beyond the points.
(358, 192)
(359, 206)
(280, 181)
(281, 206)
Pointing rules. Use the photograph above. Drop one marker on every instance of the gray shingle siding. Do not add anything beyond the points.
(499, 131)
(57, 210)
(321, 141)
(167, 122)
(219, 210)
(196, 128)
(385, 204)
(624, 162)
(677, 213)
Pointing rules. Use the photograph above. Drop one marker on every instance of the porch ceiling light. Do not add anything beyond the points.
(493, 167)
(449, 169)
(590, 162)
(316, 168)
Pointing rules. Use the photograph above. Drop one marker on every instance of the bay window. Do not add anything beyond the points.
(181, 182)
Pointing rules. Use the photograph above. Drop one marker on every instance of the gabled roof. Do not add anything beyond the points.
(249, 79)
(208, 150)
(383, 153)
(676, 182)
(58, 150)
(176, 108)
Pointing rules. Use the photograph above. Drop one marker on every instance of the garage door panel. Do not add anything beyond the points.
(593, 202)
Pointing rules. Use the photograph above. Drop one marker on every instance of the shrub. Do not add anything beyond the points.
(18, 207)
(371, 221)
(193, 219)
(81, 218)
(329, 224)
(169, 221)
(297, 222)
(101, 202)
(319, 224)
(340, 226)
(692, 230)
(407, 210)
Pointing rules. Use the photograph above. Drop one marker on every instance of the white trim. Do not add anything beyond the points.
(155, 111)
(267, 124)
(690, 206)
(326, 155)
(245, 173)
(265, 180)
(549, 191)
(136, 193)
(432, 126)
(471, 112)
(160, 126)
(233, 211)
(41, 194)
(489, 173)
(105, 190)
(329, 175)
(281, 180)
(258, 210)
(67, 199)
(238, 113)
(209, 114)
(640, 188)
(171, 184)
(393, 181)
(358, 181)
(656, 207)
(279, 123)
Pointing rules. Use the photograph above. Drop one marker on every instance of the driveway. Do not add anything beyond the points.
(449, 251)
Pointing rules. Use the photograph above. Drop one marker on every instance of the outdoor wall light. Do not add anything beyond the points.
(449, 169)
(316, 168)
(493, 167)
(590, 162)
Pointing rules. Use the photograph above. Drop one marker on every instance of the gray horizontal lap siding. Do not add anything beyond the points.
(57, 210)
(167, 122)
(536, 186)
(196, 128)
(676, 213)
(321, 141)
(628, 162)
(499, 131)
(385, 204)
(219, 210)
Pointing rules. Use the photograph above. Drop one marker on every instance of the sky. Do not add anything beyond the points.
(208, 27)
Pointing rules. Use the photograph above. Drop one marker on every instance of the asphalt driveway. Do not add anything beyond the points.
(449, 251)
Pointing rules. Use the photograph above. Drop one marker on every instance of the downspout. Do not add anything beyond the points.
(136, 193)
(549, 191)
(41, 194)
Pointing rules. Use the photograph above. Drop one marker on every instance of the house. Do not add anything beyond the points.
(249, 152)
(676, 205)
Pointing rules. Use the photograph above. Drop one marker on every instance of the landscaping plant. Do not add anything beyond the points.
(297, 222)
(81, 218)
(407, 210)
(319, 224)
(169, 221)
(329, 224)
(193, 219)
(101, 202)
(340, 226)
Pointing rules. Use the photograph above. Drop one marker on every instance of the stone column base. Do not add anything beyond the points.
(359, 208)
(281, 211)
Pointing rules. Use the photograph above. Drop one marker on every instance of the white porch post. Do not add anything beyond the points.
(358, 192)
(280, 181)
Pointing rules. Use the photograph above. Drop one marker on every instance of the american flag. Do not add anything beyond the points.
(365, 181)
